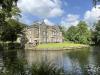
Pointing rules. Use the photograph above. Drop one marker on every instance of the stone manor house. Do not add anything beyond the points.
(43, 33)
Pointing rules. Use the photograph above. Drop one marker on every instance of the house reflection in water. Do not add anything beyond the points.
(55, 57)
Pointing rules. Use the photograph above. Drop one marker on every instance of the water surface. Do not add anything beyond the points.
(75, 62)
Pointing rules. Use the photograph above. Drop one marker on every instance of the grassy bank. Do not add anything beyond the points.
(60, 45)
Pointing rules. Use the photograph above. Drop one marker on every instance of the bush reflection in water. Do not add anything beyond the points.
(12, 65)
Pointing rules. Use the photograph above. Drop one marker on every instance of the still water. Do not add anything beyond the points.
(75, 62)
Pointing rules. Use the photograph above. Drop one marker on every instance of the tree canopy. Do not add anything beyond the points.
(9, 28)
(12, 31)
(79, 34)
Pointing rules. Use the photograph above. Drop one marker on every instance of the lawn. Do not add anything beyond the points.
(59, 45)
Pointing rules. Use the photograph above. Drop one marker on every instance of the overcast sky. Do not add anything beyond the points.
(64, 12)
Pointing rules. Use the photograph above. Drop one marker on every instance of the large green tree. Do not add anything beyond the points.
(79, 34)
(7, 10)
(9, 28)
(71, 34)
(12, 31)
(84, 34)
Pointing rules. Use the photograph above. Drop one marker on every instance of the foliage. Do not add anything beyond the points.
(63, 30)
(18, 68)
(96, 34)
(8, 35)
(6, 6)
(12, 64)
(46, 69)
(12, 31)
(84, 33)
(9, 10)
(17, 26)
(71, 34)
(79, 34)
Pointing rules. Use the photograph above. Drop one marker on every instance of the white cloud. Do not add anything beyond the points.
(69, 20)
(42, 8)
(48, 22)
(93, 15)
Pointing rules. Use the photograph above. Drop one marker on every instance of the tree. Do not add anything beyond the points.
(79, 33)
(12, 31)
(9, 34)
(95, 2)
(9, 28)
(7, 5)
(84, 34)
(72, 34)
(7, 8)
(96, 33)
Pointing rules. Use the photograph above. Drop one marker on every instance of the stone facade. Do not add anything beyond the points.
(42, 33)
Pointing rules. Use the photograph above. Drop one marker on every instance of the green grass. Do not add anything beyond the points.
(59, 45)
